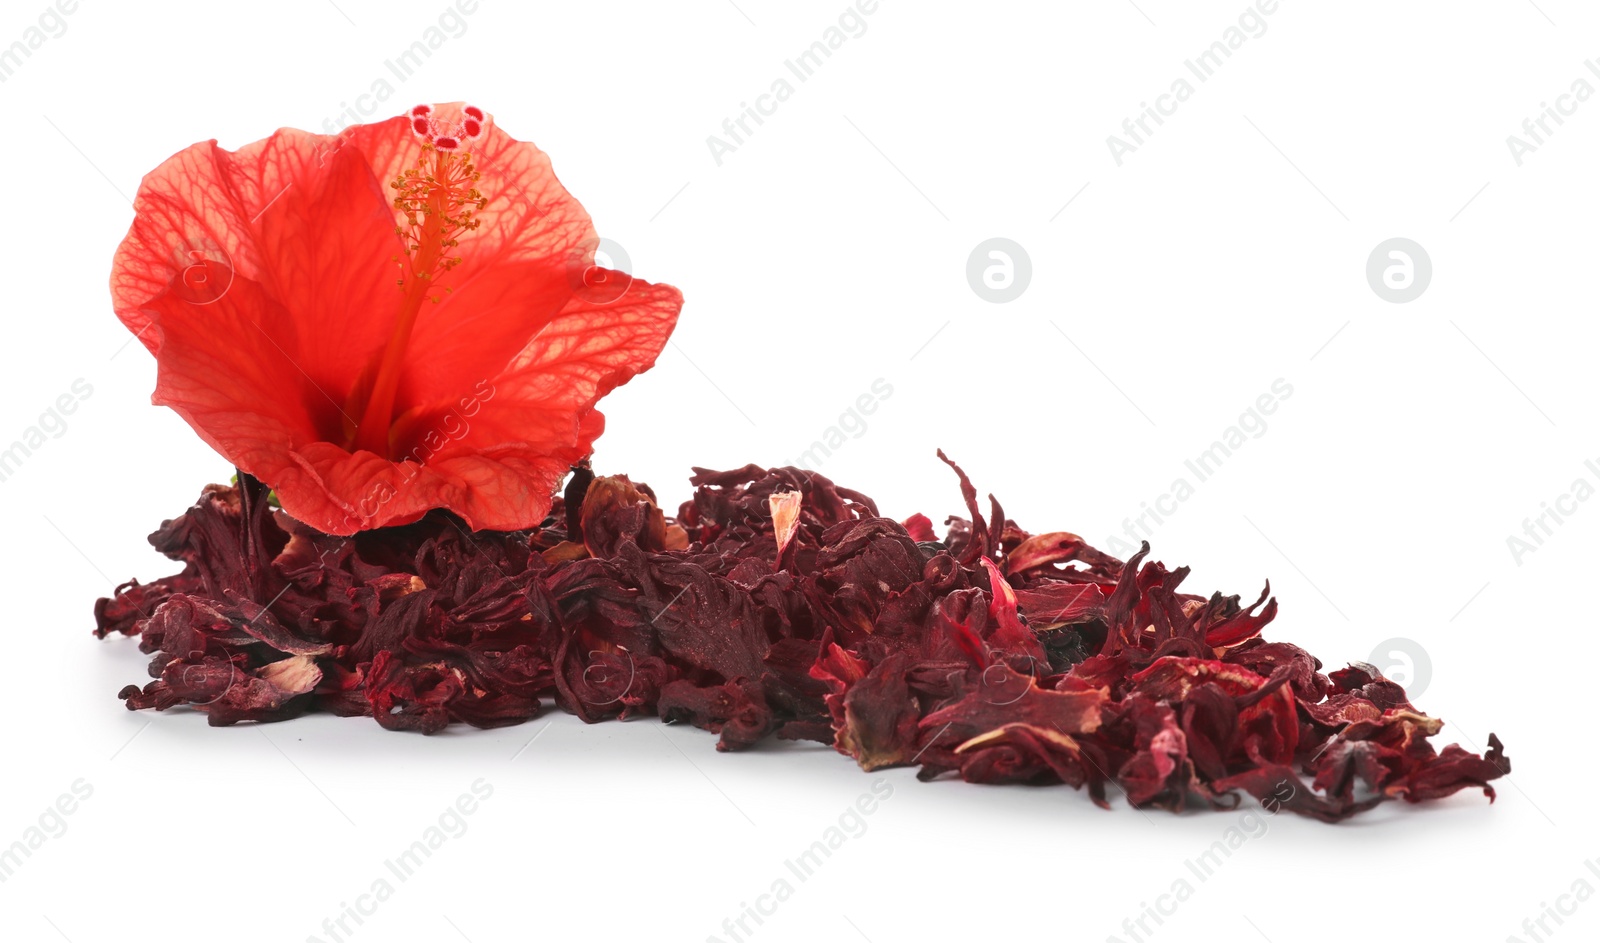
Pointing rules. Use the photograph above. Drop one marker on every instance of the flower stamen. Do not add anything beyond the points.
(438, 202)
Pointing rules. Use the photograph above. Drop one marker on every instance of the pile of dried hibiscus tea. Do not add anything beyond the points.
(776, 603)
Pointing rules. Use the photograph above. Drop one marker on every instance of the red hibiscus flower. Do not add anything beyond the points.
(400, 317)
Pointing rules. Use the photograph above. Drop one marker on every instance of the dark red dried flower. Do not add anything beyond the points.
(776, 603)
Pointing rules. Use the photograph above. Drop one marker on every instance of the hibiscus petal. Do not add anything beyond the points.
(264, 281)
(544, 401)
(299, 215)
(261, 419)
(518, 269)
(223, 373)
(497, 459)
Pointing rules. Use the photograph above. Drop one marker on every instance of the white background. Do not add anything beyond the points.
(1226, 252)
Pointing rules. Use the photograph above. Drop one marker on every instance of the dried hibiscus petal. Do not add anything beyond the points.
(775, 603)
